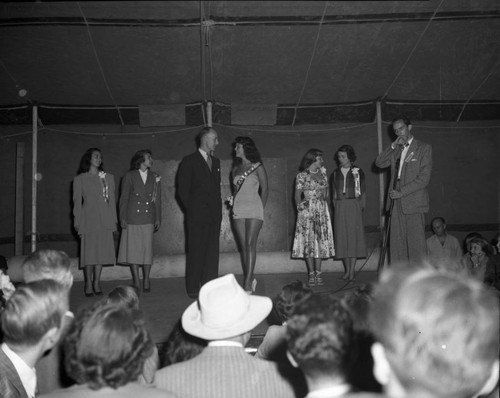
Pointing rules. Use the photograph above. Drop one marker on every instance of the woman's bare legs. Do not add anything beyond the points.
(96, 283)
(87, 276)
(248, 230)
(146, 283)
(346, 262)
(352, 267)
(134, 270)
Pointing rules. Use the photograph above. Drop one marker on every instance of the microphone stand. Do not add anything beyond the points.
(387, 227)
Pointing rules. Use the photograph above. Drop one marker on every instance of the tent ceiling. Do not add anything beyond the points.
(249, 52)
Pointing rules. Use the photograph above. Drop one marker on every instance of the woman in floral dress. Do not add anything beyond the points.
(313, 232)
(94, 211)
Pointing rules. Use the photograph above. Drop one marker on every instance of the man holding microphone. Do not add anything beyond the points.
(410, 161)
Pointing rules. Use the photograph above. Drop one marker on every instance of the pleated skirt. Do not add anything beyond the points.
(136, 244)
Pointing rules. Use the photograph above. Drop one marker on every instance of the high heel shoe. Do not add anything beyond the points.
(146, 289)
(312, 279)
(90, 294)
(319, 279)
(254, 285)
(97, 292)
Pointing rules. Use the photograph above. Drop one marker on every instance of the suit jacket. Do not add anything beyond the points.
(230, 372)
(415, 175)
(198, 189)
(10, 382)
(90, 209)
(136, 201)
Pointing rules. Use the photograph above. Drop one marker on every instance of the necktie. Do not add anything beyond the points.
(209, 162)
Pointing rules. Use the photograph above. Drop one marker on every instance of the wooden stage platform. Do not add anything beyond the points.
(166, 302)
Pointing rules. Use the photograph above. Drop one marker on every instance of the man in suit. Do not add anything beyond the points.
(436, 334)
(224, 315)
(198, 189)
(320, 339)
(410, 161)
(32, 323)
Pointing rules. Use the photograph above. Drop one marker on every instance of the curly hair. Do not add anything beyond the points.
(249, 148)
(309, 158)
(349, 150)
(289, 296)
(86, 159)
(320, 337)
(106, 346)
(139, 158)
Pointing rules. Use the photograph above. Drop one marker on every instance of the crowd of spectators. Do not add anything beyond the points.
(426, 331)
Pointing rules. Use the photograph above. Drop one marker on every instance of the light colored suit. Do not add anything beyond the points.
(229, 372)
(407, 237)
(10, 382)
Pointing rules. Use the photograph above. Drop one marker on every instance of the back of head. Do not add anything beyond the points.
(439, 331)
(33, 310)
(124, 295)
(289, 296)
(320, 335)
(106, 346)
(48, 264)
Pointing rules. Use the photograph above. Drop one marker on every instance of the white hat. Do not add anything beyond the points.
(224, 310)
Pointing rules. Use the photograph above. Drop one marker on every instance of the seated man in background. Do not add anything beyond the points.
(224, 315)
(320, 337)
(50, 264)
(32, 323)
(437, 335)
(442, 245)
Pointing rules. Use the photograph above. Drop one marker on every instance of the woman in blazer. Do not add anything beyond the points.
(348, 199)
(140, 216)
(94, 211)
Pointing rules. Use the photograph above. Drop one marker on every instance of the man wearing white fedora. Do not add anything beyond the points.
(225, 315)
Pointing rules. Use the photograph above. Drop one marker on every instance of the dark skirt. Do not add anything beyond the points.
(348, 229)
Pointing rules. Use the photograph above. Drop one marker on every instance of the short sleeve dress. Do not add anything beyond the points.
(313, 231)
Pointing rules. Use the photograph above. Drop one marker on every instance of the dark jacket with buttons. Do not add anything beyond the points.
(140, 203)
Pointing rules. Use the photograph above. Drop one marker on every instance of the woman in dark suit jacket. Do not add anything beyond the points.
(140, 216)
(94, 211)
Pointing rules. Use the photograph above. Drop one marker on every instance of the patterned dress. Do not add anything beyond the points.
(313, 232)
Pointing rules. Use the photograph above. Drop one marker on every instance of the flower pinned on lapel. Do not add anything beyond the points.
(409, 157)
(357, 183)
(323, 170)
(105, 189)
(155, 188)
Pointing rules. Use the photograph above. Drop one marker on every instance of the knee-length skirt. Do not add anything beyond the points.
(136, 244)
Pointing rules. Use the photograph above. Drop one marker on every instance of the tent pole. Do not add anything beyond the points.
(209, 114)
(381, 176)
(19, 234)
(34, 178)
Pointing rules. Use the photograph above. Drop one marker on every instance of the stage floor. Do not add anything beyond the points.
(166, 302)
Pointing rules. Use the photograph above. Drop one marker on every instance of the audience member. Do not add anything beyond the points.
(358, 302)
(224, 315)
(181, 346)
(32, 323)
(320, 338)
(48, 264)
(105, 350)
(51, 264)
(468, 238)
(477, 258)
(273, 346)
(442, 245)
(128, 297)
(437, 335)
